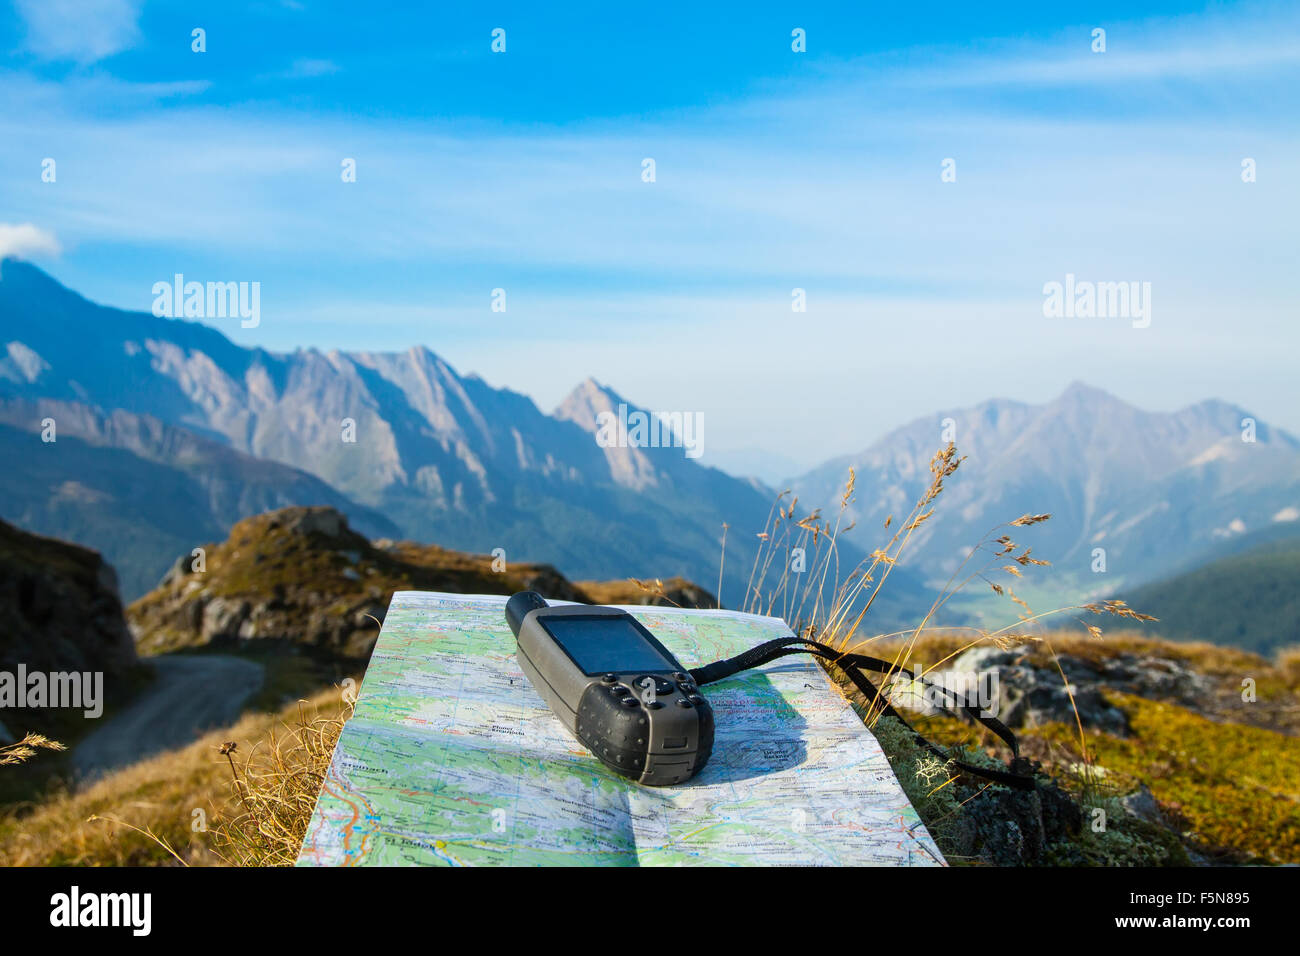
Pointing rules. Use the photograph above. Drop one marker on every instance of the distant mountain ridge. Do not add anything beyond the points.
(1248, 598)
(443, 457)
(141, 491)
(1152, 489)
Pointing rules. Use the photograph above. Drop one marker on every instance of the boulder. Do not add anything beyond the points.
(1031, 696)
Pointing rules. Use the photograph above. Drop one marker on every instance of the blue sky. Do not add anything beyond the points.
(774, 170)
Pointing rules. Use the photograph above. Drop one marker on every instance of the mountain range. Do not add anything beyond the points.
(1134, 495)
(168, 434)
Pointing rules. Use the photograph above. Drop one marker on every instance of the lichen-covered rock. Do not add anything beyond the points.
(1026, 695)
(1003, 827)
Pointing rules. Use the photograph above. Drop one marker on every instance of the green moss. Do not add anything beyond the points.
(921, 776)
(1234, 786)
(949, 810)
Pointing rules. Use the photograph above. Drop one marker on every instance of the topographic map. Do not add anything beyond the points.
(452, 758)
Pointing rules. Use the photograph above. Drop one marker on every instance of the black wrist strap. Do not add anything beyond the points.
(853, 666)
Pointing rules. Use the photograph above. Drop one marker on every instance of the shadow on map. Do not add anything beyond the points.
(757, 731)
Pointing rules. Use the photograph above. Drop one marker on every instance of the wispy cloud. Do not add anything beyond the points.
(1152, 51)
(25, 240)
(84, 31)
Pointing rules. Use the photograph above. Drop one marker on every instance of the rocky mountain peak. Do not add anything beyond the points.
(584, 404)
(629, 465)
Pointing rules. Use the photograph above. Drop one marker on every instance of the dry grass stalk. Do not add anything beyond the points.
(840, 619)
(277, 785)
(25, 749)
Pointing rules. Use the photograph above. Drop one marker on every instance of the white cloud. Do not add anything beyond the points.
(26, 239)
(80, 30)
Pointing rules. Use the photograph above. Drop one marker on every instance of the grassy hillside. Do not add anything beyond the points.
(184, 798)
(1249, 600)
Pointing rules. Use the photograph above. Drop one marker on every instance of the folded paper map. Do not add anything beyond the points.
(452, 758)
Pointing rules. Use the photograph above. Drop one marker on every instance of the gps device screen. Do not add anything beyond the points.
(601, 644)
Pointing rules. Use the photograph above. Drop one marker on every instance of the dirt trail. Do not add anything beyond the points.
(190, 694)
